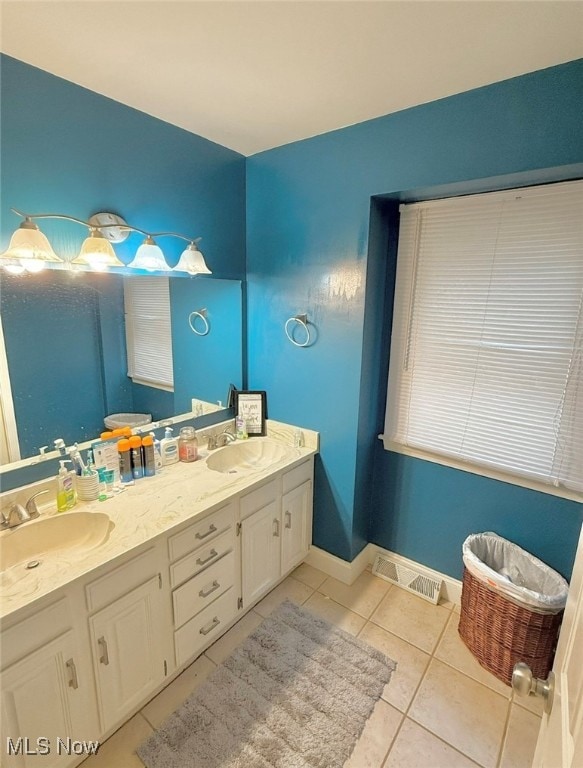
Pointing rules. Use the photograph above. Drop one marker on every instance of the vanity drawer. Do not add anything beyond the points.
(196, 634)
(32, 633)
(121, 580)
(201, 532)
(201, 558)
(297, 476)
(259, 498)
(201, 590)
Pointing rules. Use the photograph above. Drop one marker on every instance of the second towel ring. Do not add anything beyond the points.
(202, 313)
(301, 320)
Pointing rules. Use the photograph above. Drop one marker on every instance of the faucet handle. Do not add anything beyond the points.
(31, 506)
(17, 514)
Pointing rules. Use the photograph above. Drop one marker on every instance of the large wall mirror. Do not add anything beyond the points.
(65, 342)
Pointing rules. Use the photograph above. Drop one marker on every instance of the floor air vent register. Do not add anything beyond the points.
(407, 578)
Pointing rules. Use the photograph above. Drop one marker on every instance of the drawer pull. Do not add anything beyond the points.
(213, 588)
(72, 670)
(276, 527)
(210, 531)
(104, 658)
(212, 555)
(288, 519)
(214, 623)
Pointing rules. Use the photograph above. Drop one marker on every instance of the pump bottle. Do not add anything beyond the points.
(66, 493)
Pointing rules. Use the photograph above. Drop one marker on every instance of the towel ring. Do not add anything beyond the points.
(301, 320)
(202, 313)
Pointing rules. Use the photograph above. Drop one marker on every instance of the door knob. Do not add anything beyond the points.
(524, 684)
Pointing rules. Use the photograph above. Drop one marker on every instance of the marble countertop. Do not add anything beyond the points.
(151, 507)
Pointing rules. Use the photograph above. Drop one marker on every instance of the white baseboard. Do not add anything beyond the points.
(347, 572)
(339, 569)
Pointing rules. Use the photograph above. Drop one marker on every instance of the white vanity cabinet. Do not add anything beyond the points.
(47, 694)
(97, 648)
(126, 636)
(276, 526)
(204, 574)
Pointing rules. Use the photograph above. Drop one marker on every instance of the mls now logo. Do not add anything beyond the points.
(43, 746)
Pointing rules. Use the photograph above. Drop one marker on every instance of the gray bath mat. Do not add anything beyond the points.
(295, 694)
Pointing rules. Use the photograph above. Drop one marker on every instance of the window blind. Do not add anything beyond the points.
(148, 331)
(486, 351)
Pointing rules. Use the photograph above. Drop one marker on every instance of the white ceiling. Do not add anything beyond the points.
(254, 75)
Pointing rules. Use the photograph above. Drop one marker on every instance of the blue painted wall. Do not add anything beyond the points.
(315, 244)
(67, 149)
(204, 366)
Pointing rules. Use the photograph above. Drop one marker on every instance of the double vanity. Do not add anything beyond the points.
(102, 606)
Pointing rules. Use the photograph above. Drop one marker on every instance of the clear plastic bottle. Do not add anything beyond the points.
(188, 444)
(125, 461)
(136, 454)
(149, 456)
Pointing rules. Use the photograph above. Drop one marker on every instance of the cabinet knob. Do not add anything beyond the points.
(288, 519)
(276, 527)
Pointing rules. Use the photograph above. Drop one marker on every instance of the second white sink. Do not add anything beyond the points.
(253, 454)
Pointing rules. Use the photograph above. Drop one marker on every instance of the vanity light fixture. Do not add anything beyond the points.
(30, 249)
(192, 261)
(97, 252)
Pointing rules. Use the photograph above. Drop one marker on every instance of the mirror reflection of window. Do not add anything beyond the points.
(149, 331)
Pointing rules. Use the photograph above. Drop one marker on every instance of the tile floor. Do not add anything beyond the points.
(440, 710)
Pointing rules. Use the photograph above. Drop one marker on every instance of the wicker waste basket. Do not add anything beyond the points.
(512, 606)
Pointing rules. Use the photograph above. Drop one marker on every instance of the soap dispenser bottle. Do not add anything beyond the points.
(66, 493)
(169, 447)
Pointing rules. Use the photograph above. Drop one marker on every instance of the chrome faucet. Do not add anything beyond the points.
(17, 514)
(226, 437)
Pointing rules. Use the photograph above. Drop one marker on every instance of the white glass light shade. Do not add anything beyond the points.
(192, 261)
(97, 253)
(149, 256)
(30, 247)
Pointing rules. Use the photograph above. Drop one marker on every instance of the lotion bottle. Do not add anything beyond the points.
(169, 448)
(66, 493)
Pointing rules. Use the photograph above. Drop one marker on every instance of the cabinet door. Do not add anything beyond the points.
(260, 552)
(296, 529)
(44, 701)
(127, 652)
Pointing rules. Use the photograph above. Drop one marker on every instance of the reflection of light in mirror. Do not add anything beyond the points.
(343, 283)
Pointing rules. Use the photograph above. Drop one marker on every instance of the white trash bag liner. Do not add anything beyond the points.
(119, 420)
(507, 568)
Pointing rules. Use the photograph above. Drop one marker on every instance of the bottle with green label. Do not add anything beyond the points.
(66, 493)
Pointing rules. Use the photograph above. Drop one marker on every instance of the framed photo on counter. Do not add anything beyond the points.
(252, 406)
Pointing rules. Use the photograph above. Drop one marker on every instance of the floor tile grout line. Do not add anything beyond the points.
(443, 741)
(504, 734)
(352, 610)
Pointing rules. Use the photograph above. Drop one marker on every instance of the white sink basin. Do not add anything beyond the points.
(66, 532)
(249, 456)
